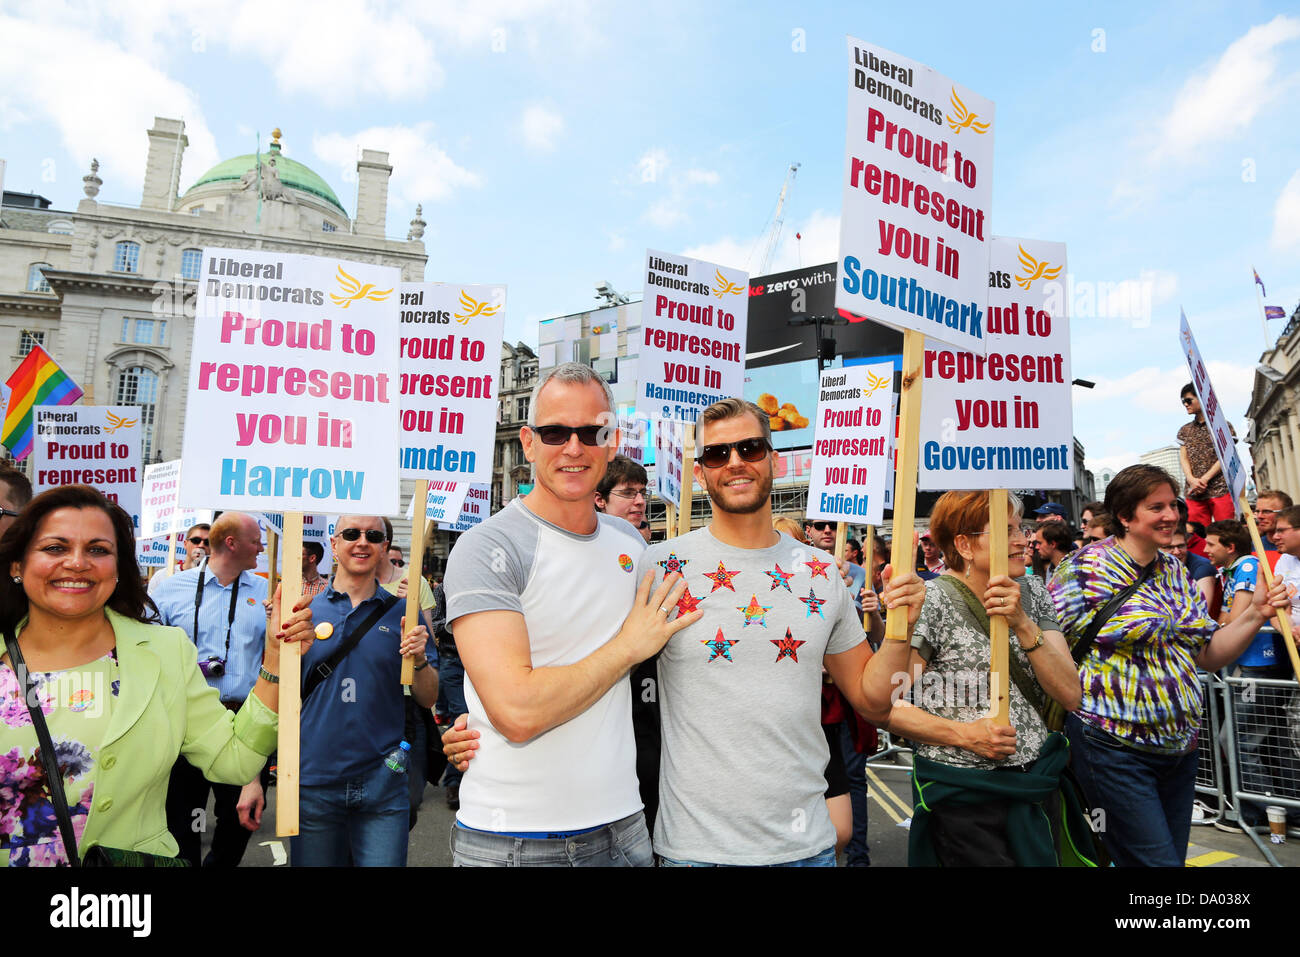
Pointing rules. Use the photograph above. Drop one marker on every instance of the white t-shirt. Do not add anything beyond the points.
(1288, 569)
(574, 592)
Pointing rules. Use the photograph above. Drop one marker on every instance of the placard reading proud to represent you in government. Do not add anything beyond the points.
(293, 395)
(918, 187)
(852, 449)
(451, 357)
(1003, 419)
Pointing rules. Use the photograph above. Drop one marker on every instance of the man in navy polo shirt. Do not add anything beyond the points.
(353, 807)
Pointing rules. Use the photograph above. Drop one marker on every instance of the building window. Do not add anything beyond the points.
(30, 339)
(191, 263)
(147, 332)
(328, 227)
(36, 281)
(139, 386)
(143, 332)
(127, 258)
(521, 408)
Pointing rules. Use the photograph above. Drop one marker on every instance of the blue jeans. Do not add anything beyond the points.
(825, 859)
(361, 822)
(1145, 799)
(451, 699)
(624, 843)
(857, 853)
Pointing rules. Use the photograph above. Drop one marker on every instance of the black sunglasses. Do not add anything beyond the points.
(8, 513)
(1188, 400)
(373, 535)
(194, 539)
(716, 456)
(398, 563)
(821, 526)
(559, 434)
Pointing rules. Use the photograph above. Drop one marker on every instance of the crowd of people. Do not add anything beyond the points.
(600, 699)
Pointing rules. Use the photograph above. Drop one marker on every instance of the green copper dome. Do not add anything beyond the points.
(292, 173)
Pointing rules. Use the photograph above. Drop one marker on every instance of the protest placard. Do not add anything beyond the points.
(293, 394)
(851, 445)
(669, 454)
(918, 187)
(476, 506)
(443, 501)
(315, 528)
(451, 356)
(1003, 419)
(160, 509)
(693, 327)
(96, 445)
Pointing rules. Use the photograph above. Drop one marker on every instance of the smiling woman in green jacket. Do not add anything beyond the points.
(122, 696)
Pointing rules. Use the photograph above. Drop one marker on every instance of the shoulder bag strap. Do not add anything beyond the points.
(53, 776)
(1107, 611)
(326, 667)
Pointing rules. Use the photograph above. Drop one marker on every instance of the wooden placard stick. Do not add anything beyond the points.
(869, 555)
(688, 479)
(287, 758)
(999, 646)
(841, 539)
(171, 545)
(670, 520)
(272, 560)
(902, 555)
(1283, 614)
(413, 571)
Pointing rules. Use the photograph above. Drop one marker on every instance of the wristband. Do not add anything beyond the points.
(422, 664)
(263, 673)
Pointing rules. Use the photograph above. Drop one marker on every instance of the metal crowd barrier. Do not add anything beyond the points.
(1210, 758)
(1262, 720)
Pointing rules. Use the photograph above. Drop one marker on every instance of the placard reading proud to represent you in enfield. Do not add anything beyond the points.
(293, 396)
(1225, 447)
(1003, 420)
(96, 445)
(851, 444)
(451, 357)
(918, 186)
(693, 325)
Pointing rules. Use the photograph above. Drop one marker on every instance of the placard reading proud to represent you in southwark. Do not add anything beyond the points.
(918, 186)
(293, 396)
(851, 458)
(1224, 445)
(693, 325)
(451, 357)
(96, 445)
(1003, 419)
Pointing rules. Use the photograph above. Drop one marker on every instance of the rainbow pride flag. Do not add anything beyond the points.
(38, 380)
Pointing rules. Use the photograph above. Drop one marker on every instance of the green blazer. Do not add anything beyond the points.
(166, 708)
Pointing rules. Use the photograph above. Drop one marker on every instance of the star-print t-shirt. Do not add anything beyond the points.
(740, 697)
(77, 704)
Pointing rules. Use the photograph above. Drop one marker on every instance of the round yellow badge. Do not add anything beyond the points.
(324, 630)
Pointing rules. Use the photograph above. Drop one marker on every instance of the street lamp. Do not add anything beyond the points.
(825, 346)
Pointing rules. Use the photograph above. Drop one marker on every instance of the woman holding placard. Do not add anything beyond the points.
(117, 696)
(985, 794)
(1140, 631)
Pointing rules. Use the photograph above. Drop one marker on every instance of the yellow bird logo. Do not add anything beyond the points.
(961, 119)
(354, 291)
(1034, 270)
(725, 286)
(874, 382)
(116, 422)
(473, 308)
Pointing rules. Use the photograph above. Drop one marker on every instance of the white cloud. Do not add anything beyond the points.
(422, 170)
(665, 212)
(1217, 103)
(1286, 215)
(820, 243)
(616, 240)
(706, 177)
(725, 252)
(541, 127)
(110, 127)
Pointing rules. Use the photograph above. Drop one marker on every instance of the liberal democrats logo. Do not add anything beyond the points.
(353, 290)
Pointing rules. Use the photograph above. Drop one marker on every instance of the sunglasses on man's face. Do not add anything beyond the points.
(195, 540)
(397, 562)
(821, 526)
(716, 456)
(1188, 401)
(373, 535)
(559, 434)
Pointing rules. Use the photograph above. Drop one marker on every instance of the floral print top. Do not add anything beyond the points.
(77, 704)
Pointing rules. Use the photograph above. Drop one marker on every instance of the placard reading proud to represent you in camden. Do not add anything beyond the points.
(451, 356)
(1003, 420)
(96, 445)
(693, 324)
(918, 186)
(293, 396)
(1225, 447)
(851, 453)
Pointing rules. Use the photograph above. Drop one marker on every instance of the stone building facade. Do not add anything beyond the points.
(1275, 413)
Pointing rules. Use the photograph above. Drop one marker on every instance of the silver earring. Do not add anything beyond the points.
(18, 579)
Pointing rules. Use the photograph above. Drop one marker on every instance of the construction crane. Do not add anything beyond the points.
(778, 219)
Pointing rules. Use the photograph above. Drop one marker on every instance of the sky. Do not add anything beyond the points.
(551, 143)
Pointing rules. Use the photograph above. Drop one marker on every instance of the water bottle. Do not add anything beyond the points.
(399, 758)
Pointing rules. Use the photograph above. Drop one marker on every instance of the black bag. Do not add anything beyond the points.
(97, 856)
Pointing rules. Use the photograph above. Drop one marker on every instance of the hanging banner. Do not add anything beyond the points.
(918, 187)
(1224, 446)
(1004, 419)
(96, 445)
(851, 446)
(692, 341)
(293, 395)
(451, 357)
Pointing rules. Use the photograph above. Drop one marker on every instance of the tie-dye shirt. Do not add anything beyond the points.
(1139, 680)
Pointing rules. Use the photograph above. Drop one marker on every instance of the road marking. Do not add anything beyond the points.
(880, 785)
(1209, 859)
(873, 793)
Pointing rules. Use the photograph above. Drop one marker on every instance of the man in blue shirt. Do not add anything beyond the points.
(220, 607)
(354, 807)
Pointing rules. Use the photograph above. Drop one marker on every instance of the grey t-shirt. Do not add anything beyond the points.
(744, 755)
(955, 684)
